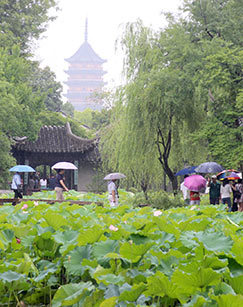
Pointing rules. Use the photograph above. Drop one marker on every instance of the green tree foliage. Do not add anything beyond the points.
(209, 19)
(43, 81)
(183, 99)
(25, 89)
(6, 160)
(68, 109)
(58, 119)
(95, 120)
(217, 27)
(159, 97)
(22, 21)
(121, 152)
(19, 104)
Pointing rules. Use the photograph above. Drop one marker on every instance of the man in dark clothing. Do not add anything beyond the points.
(214, 190)
(51, 182)
(60, 185)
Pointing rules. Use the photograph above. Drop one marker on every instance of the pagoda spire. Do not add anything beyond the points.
(86, 30)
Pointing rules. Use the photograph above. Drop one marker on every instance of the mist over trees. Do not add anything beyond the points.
(182, 103)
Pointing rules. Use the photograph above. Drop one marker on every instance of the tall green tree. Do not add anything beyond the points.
(217, 27)
(25, 88)
(19, 104)
(119, 151)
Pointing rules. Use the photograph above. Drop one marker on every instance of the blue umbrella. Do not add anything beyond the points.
(209, 167)
(22, 169)
(186, 171)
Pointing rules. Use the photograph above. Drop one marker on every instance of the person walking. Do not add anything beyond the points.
(113, 193)
(234, 205)
(60, 185)
(185, 192)
(225, 193)
(239, 194)
(214, 190)
(16, 186)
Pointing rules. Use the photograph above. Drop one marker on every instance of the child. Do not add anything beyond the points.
(194, 198)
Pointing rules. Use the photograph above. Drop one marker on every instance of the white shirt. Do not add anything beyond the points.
(185, 191)
(43, 182)
(225, 191)
(16, 180)
(111, 187)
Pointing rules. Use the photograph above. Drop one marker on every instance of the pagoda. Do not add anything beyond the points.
(85, 77)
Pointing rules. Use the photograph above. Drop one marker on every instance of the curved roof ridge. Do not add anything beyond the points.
(78, 138)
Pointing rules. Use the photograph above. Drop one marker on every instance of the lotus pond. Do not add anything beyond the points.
(62, 255)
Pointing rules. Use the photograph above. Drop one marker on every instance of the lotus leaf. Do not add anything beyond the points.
(226, 300)
(71, 294)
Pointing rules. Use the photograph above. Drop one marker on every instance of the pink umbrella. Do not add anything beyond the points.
(195, 183)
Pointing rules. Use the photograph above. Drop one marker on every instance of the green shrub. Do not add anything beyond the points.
(159, 199)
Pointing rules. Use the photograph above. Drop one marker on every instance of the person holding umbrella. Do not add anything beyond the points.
(16, 186)
(225, 193)
(196, 184)
(60, 185)
(214, 190)
(113, 183)
(60, 168)
(113, 192)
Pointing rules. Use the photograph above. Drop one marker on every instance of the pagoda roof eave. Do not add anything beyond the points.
(85, 53)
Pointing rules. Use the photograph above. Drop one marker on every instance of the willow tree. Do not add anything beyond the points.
(122, 152)
(158, 98)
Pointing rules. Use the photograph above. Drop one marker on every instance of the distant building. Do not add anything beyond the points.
(85, 77)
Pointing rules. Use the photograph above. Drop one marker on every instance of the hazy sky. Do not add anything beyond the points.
(105, 20)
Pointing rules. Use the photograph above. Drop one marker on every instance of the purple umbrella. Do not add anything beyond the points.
(209, 167)
(195, 183)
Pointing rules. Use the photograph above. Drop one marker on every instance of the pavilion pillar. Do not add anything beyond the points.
(75, 181)
(44, 171)
(25, 179)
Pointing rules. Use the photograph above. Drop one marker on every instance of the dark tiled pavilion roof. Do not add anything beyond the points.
(57, 139)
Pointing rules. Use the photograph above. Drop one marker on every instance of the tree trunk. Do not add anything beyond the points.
(164, 148)
(144, 187)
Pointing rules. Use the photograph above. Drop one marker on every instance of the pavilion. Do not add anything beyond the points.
(56, 144)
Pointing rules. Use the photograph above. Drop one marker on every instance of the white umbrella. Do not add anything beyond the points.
(64, 165)
(113, 176)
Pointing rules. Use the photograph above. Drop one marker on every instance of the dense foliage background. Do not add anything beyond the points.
(182, 103)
